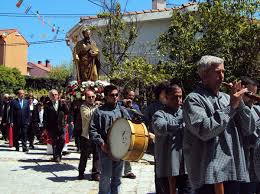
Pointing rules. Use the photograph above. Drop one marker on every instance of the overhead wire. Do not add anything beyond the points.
(93, 2)
(60, 15)
(35, 42)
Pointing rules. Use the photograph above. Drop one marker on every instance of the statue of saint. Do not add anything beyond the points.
(86, 58)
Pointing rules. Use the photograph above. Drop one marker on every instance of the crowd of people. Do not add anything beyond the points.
(202, 145)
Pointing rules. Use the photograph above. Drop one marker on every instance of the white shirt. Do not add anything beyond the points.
(56, 105)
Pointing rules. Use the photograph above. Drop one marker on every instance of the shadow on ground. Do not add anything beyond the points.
(67, 178)
(7, 150)
(38, 160)
(49, 168)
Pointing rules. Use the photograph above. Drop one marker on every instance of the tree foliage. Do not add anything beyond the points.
(35, 84)
(116, 37)
(137, 71)
(61, 72)
(11, 80)
(224, 28)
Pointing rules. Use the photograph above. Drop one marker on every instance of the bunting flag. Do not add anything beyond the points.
(53, 28)
(19, 3)
(38, 15)
(58, 30)
(27, 9)
(43, 20)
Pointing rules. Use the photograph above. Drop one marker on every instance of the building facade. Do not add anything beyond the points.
(150, 25)
(13, 50)
(39, 69)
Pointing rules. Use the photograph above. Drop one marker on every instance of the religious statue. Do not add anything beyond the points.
(86, 58)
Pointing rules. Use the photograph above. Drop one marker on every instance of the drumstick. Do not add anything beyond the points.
(152, 136)
(219, 188)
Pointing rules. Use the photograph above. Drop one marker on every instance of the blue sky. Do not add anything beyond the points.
(33, 29)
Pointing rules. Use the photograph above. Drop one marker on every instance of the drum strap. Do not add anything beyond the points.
(123, 115)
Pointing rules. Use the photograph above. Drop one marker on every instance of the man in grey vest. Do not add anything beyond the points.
(212, 146)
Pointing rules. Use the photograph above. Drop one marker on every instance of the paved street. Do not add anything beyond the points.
(33, 173)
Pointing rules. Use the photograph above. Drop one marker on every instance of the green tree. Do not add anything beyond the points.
(225, 28)
(116, 37)
(11, 80)
(61, 72)
(138, 73)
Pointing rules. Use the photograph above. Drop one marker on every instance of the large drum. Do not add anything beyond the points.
(127, 140)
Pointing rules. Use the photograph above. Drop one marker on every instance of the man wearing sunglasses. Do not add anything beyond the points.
(86, 145)
(101, 122)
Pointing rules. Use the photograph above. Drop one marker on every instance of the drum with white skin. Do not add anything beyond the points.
(127, 140)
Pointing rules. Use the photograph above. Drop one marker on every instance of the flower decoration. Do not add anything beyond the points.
(76, 89)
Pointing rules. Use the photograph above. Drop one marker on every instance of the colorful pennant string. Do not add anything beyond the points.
(42, 19)
(19, 3)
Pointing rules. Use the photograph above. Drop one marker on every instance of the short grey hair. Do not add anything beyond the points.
(51, 92)
(206, 63)
(6, 95)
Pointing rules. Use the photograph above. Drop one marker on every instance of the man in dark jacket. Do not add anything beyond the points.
(34, 120)
(5, 112)
(19, 120)
(54, 121)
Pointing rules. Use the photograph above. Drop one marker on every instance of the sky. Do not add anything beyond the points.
(37, 28)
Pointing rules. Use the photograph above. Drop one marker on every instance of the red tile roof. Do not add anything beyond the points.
(7, 31)
(38, 70)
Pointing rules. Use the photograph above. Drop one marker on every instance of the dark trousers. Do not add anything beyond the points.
(230, 187)
(183, 184)
(58, 142)
(39, 133)
(32, 129)
(4, 130)
(162, 185)
(20, 133)
(77, 135)
(249, 188)
(87, 147)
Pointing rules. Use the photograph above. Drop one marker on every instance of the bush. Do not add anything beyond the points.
(38, 93)
(44, 83)
(11, 80)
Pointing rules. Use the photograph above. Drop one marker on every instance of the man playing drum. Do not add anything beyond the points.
(212, 145)
(101, 122)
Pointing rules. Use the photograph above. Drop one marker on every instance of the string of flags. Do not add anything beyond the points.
(28, 9)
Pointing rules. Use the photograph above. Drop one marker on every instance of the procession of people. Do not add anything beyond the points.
(203, 143)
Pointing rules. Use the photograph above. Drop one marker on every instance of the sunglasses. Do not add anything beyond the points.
(113, 95)
(90, 97)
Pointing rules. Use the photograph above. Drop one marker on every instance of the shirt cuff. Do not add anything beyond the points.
(230, 111)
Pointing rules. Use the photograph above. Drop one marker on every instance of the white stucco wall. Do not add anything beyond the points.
(148, 35)
(149, 30)
(150, 24)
